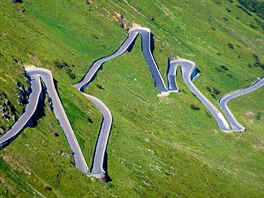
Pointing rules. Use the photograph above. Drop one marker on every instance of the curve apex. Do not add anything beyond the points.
(136, 28)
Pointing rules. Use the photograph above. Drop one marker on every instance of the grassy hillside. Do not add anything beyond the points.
(158, 146)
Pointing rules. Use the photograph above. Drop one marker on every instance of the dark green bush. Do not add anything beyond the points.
(216, 91)
(260, 22)
(245, 10)
(254, 6)
(218, 69)
(230, 45)
(256, 58)
(213, 95)
(228, 10)
(224, 67)
(218, 2)
(61, 65)
(193, 107)
(208, 89)
(66, 67)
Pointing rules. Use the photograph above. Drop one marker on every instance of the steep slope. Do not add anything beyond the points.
(158, 146)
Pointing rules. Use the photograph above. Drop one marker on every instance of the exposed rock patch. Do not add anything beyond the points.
(7, 109)
(64, 154)
(123, 22)
(35, 59)
(23, 94)
(2, 130)
(249, 114)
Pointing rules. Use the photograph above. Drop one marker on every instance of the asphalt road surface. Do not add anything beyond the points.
(60, 114)
(102, 140)
(189, 72)
(224, 100)
(29, 111)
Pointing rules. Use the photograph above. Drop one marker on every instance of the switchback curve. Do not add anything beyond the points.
(189, 72)
(224, 100)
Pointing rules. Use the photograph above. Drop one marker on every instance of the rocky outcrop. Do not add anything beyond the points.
(123, 22)
(2, 130)
(23, 94)
(7, 109)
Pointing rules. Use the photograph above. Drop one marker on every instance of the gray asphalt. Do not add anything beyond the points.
(146, 48)
(101, 145)
(147, 43)
(60, 114)
(224, 100)
(25, 117)
(189, 72)
(98, 160)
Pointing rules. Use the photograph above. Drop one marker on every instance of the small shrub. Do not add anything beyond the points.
(48, 188)
(228, 10)
(151, 18)
(94, 36)
(61, 65)
(256, 58)
(245, 10)
(218, 69)
(224, 67)
(218, 2)
(208, 114)
(213, 95)
(66, 67)
(216, 91)
(17, 1)
(72, 75)
(230, 45)
(254, 6)
(260, 22)
(89, 119)
(99, 86)
(208, 89)
(258, 64)
(193, 107)
(230, 75)
(111, 185)
(258, 116)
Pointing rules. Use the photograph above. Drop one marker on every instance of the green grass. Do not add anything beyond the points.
(158, 146)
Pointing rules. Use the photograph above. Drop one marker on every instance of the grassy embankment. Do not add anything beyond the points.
(157, 144)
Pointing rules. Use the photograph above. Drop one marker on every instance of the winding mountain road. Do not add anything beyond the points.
(60, 114)
(24, 119)
(189, 73)
(224, 100)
